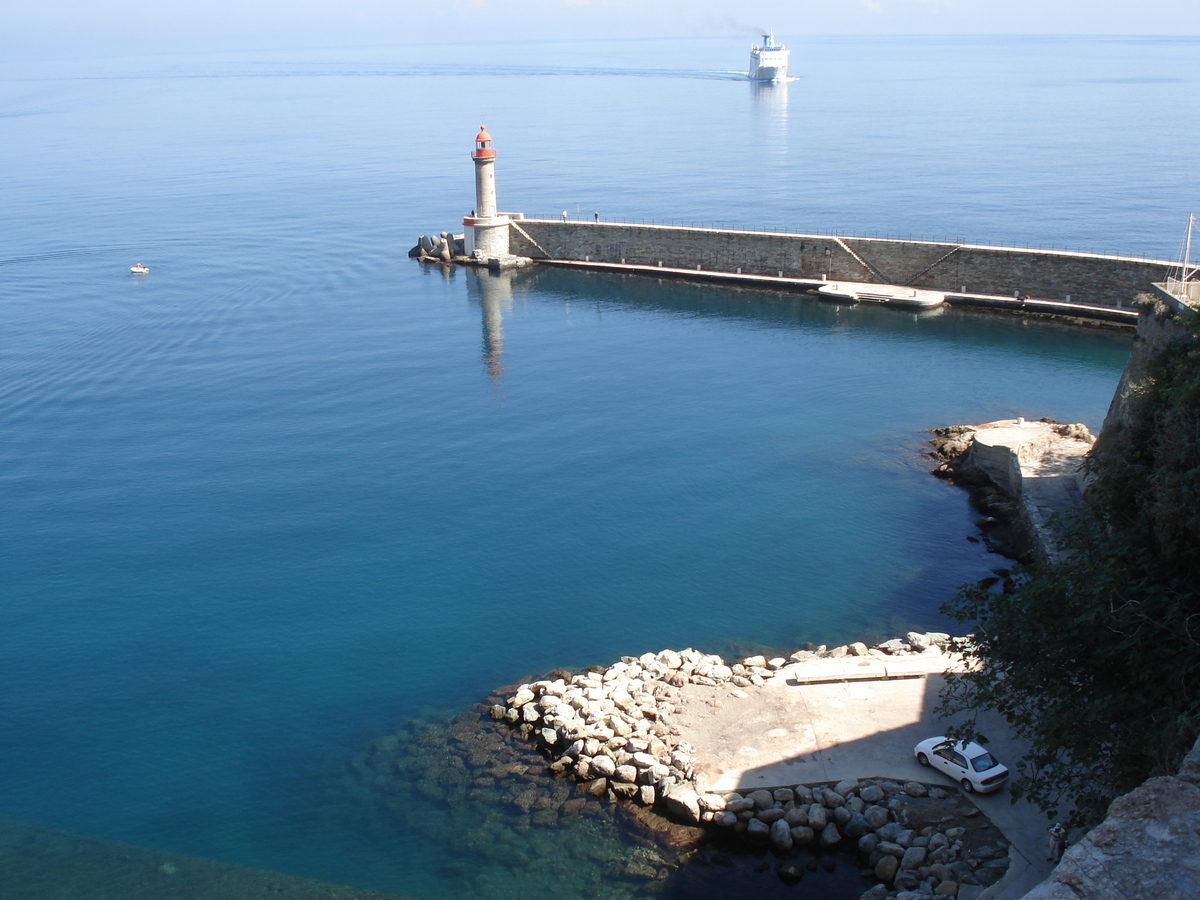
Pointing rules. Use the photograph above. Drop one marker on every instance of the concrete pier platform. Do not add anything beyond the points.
(1032, 306)
(856, 717)
(697, 274)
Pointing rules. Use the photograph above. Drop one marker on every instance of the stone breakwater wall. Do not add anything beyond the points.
(912, 837)
(950, 267)
(612, 730)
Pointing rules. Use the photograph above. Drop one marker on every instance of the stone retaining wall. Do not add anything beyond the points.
(976, 269)
(1148, 846)
(1157, 326)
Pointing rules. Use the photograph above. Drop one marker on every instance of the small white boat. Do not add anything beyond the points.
(891, 294)
(139, 269)
(770, 61)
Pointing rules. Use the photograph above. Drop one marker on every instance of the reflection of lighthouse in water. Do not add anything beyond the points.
(493, 290)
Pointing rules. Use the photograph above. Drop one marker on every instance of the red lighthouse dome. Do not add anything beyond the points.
(483, 145)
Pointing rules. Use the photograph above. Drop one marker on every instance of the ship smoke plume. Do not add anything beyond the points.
(730, 24)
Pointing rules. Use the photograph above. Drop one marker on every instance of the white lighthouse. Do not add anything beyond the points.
(489, 229)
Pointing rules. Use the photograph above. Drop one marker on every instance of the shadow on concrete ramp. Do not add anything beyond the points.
(790, 733)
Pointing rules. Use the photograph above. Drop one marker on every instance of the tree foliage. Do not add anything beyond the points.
(1096, 659)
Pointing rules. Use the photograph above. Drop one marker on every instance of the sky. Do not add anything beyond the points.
(106, 28)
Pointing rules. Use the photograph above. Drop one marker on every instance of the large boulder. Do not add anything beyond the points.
(876, 816)
(626, 773)
(596, 788)
(857, 826)
(867, 844)
(906, 880)
(889, 831)
(797, 816)
(886, 868)
(1148, 845)
(847, 786)
(802, 835)
(832, 799)
(757, 829)
(683, 804)
(817, 816)
(762, 799)
(603, 766)
(830, 836)
(712, 803)
(523, 695)
(781, 835)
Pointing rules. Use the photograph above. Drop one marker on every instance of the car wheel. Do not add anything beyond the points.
(967, 786)
(923, 759)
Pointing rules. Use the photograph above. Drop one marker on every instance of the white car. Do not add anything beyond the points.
(967, 763)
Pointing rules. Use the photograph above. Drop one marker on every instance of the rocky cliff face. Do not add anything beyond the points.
(1157, 327)
(1148, 846)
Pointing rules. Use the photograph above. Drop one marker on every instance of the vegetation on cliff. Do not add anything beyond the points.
(1096, 659)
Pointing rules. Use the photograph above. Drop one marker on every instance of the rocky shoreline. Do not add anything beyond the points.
(1018, 483)
(612, 731)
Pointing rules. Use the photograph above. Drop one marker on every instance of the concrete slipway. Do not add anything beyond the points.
(855, 717)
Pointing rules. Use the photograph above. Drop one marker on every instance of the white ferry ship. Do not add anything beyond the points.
(770, 61)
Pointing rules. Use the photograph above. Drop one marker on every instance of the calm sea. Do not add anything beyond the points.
(293, 490)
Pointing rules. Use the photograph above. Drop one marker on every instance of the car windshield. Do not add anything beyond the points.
(983, 762)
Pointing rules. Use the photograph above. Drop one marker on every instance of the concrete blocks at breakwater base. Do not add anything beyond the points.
(962, 271)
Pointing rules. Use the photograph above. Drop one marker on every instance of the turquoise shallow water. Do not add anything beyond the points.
(293, 489)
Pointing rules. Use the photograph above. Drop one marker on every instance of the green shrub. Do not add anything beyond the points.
(1096, 659)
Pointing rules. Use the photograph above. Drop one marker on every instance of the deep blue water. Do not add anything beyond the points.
(292, 489)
